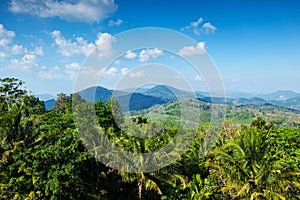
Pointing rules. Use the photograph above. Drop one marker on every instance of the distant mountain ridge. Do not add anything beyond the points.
(45, 97)
(143, 98)
(280, 95)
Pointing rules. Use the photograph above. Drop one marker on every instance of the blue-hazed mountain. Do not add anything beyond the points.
(136, 101)
(128, 101)
(280, 95)
(96, 93)
(255, 101)
(168, 93)
(142, 98)
(45, 97)
(293, 103)
(49, 104)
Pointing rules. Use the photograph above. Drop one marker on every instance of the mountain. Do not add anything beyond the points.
(255, 101)
(235, 94)
(96, 93)
(280, 95)
(136, 101)
(45, 97)
(49, 104)
(128, 101)
(143, 98)
(167, 93)
(293, 103)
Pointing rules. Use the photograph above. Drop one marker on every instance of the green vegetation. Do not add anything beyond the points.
(43, 157)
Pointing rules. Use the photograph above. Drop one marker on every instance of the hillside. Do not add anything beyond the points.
(242, 114)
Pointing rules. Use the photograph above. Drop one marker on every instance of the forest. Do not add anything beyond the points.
(43, 155)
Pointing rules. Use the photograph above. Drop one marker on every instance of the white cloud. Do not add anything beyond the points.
(198, 28)
(104, 44)
(18, 49)
(193, 50)
(124, 71)
(198, 78)
(28, 61)
(130, 55)
(51, 74)
(147, 54)
(193, 25)
(8, 48)
(208, 28)
(80, 46)
(111, 71)
(115, 23)
(5, 36)
(70, 48)
(72, 69)
(28, 58)
(138, 74)
(75, 10)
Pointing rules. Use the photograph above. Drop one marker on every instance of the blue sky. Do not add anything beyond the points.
(254, 44)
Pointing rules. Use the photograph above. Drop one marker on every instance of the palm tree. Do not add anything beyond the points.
(246, 169)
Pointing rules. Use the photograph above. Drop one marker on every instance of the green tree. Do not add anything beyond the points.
(61, 102)
(248, 170)
(10, 90)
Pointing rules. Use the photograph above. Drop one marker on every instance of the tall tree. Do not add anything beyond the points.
(248, 170)
(61, 102)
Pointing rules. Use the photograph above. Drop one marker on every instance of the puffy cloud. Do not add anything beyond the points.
(193, 50)
(130, 55)
(75, 10)
(104, 44)
(18, 49)
(27, 62)
(115, 23)
(5, 36)
(6, 44)
(147, 54)
(70, 48)
(80, 46)
(124, 71)
(9, 48)
(111, 71)
(72, 69)
(198, 28)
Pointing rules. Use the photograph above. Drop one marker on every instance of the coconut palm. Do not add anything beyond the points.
(247, 169)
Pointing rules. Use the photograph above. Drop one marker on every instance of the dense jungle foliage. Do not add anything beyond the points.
(43, 157)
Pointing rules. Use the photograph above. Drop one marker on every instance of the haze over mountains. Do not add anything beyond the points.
(143, 98)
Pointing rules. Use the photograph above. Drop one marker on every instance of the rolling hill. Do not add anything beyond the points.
(143, 98)
(171, 112)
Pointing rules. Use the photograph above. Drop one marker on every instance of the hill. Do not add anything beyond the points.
(242, 114)
(167, 93)
(280, 95)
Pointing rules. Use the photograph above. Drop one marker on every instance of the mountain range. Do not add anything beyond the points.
(143, 98)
